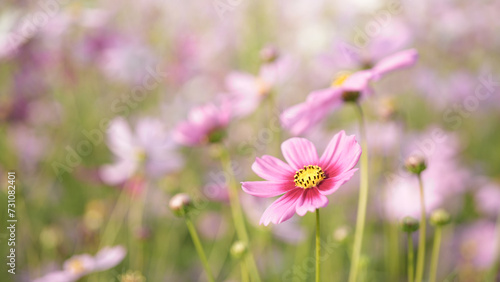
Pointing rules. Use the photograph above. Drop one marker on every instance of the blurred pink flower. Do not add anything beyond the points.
(81, 265)
(477, 244)
(443, 178)
(488, 199)
(247, 91)
(320, 103)
(305, 180)
(150, 148)
(205, 124)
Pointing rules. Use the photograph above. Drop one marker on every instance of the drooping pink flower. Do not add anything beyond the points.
(300, 118)
(205, 124)
(306, 179)
(320, 103)
(149, 148)
(81, 265)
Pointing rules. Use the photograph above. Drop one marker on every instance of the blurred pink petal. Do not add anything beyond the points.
(394, 62)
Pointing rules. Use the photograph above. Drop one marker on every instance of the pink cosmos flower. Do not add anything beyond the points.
(81, 265)
(205, 124)
(149, 148)
(306, 179)
(320, 103)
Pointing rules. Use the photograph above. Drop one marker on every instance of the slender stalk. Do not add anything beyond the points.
(318, 246)
(421, 239)
(244, 272)
(435, 253)
(115, 221)
(236, 211)
(362, 201)
(199, 249)
(410, 257)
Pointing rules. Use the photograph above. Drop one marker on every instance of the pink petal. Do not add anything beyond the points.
(341, 154)
(120, 139)
(299, 152)
(300, 118)
(271, 168)
(397, 61)
(311, 200)
(330, 185)
(118, 172)
(150, 132)
(266, 189)
(109, 257)
(282, 209)
(240, 83)
(358, 81)
(189, 134)
(58, 276)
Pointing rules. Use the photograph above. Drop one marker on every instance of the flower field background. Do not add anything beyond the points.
(233, 140)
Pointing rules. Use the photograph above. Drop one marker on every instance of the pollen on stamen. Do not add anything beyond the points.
(308, 177)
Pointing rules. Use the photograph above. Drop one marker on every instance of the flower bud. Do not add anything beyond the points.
(440, 217)
(269, 54)
(409, 224)
(238, 249)
(341, 234)
(415, 164)
(180, 204)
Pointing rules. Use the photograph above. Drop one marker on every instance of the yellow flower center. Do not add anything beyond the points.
(309, 176)
(263, 88)
(340, 78)
(76, 266)
(141, 155)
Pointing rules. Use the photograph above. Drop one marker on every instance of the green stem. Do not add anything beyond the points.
(435, 254)
(318, 246)
(236, 211)
(410, 258)
(115, 221)
(362, 201)
(421, 239)
(199, 249)
(244, 272)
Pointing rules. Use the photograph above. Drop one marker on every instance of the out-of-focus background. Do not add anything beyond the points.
(69, 69)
